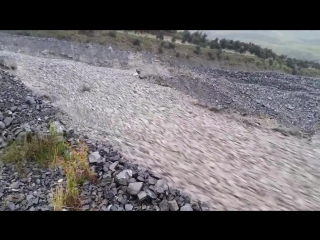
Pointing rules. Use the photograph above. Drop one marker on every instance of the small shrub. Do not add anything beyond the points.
(188, 56)
(211, 55)
(112, 34)
(136, 42)
(171, 45)
(227, 57)
(42, 149)
(270, 62)
(197, 50)
(177, 54)
(160, 50)
(173, 39)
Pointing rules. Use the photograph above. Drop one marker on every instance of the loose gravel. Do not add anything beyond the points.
(122, 186)
(210, 155)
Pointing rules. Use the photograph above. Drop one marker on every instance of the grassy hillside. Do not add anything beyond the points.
(227, 59)
(303, 45)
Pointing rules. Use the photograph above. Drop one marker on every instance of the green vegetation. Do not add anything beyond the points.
(38, 148)
(50, 150)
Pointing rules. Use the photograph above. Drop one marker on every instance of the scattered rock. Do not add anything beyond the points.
(94, 157)
(173, 206)
(186, 207)
(164, 205)
(128, 207)
(134, 188)
(123, 177)
(161, 186)
(142, 195)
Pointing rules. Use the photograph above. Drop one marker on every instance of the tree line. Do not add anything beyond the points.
(199, 38)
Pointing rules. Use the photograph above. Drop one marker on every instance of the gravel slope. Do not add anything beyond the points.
(211, 156)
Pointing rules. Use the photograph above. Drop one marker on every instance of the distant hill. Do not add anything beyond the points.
(300, 44)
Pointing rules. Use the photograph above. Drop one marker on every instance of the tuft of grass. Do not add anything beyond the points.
(42, 149)
(58, 198)
(197, 50)
(112, 34)
(51, 150)
(171, 45)
(136, 42)
(77, 171)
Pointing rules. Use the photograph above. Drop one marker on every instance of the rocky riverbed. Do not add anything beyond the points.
(212, 155)
(122, 186)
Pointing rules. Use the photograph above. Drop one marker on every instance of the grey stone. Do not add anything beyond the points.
(44, 208)
(113, 166)
(85, 207)
(13, 108)
(93, 157)
(8, 121)
(152, 181)
(128, 207)
(134, 188)
(142, 195)
(11, 206)
(164, 205)
(113, 208)
(161, 187)
(15, 198)
(173, 205)
(30, 100)
(123, 177)
(15, 185)
(2, 125)
(35, 201)
(195, 207)
(186, 207)
(29, 197)
(151, 194)
(132, 180)
(204, 206)
(115, 158)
